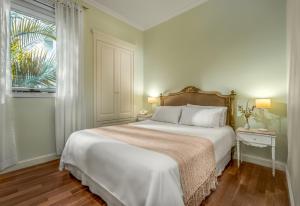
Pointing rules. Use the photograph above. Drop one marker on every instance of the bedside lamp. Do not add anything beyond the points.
(263, 104)
(153, 100)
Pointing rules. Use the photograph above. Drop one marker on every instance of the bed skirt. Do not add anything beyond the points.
(94, 187)
(107, 196)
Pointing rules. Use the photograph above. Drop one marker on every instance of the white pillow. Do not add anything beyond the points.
(201, 117)
(167, 114)
(223, 109)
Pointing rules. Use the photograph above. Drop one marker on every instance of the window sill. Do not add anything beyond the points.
(33, 95)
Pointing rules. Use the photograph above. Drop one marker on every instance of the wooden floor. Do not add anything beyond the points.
(45, 185)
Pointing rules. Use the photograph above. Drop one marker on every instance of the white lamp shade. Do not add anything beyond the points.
(153, 100)
(263, 103)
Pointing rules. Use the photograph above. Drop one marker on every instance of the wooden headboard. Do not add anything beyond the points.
(193, 95)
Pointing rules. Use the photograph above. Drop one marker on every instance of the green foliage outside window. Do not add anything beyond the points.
(32, 52)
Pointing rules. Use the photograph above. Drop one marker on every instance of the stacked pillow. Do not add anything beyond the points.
(169, 114)
(194, 115)
(204, 116)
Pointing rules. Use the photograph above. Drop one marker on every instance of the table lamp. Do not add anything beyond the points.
(153, 100)
(263, 104)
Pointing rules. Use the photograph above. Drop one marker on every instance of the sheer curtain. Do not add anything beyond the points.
(294, 68)
(8, 153)
(70, 112)
(294, 98)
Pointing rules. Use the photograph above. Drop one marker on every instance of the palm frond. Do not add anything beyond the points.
(37, 69)
(25, 27)
(31, 67)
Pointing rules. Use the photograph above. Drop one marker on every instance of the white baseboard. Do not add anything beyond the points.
(31, 162)
(262, 161)
(288, 180)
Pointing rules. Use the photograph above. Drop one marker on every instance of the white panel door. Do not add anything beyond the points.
(126, 83)
(105, 93)
(114, 68)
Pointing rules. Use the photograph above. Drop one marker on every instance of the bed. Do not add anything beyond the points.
(122, 173)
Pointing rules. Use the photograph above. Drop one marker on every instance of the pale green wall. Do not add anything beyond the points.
(223, 45)
(35, 117)
(34, 123)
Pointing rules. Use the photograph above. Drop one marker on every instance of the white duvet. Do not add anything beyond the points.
(136, 176)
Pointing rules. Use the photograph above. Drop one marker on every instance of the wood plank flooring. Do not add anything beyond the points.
(45, 185)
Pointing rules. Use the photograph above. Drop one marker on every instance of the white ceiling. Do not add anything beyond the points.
(144, 14)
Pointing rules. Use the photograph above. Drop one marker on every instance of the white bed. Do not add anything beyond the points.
(149, 178)
(123, 174)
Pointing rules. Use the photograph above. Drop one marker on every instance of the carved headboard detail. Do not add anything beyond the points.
(194, 95)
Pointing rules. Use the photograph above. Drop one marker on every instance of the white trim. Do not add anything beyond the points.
(31, 162)
(176, 13)
(34, 9)
(33, 95)
(288, 180)
(113, 40)
(110, 12)
(262, 161)
(169, 16)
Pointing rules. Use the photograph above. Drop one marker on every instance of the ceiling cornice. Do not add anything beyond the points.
(169, 16)
(110, 12)
(176, 13)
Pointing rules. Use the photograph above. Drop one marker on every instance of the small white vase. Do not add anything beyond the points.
(247, 126)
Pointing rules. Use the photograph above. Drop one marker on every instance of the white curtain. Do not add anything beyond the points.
(294, 68)
(293, 164)
(8, 153)
(70, 112)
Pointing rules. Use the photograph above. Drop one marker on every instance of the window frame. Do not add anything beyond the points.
(30, 94)
(39, 9)
(35, 9)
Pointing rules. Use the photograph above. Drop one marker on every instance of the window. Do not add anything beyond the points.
(32, 52)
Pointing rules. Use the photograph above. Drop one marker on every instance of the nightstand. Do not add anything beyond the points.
(256, 138)
(142, 117)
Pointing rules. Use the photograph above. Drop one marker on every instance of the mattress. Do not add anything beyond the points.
(126, 175)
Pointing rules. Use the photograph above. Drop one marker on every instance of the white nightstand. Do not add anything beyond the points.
(142, 117)
(256, 138)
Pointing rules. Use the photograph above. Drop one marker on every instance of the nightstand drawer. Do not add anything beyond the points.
(265, 140)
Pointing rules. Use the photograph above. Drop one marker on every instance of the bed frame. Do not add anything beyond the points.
(194, 95)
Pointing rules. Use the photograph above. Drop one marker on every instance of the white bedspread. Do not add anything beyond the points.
(136, 176)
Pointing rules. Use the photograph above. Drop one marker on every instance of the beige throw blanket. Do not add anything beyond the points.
(194, 155)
